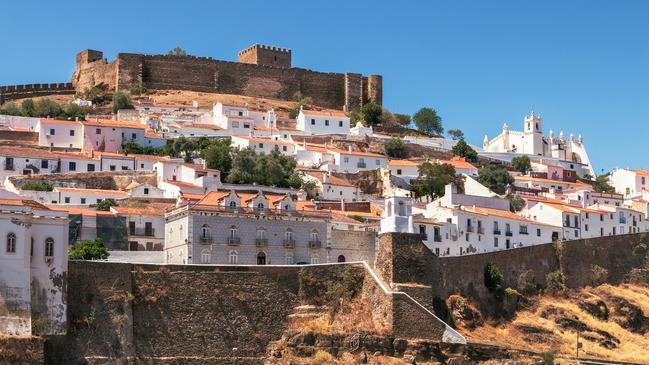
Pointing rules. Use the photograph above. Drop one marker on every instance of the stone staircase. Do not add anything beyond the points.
(306, 312)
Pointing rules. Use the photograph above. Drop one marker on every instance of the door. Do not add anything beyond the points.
(261, 258)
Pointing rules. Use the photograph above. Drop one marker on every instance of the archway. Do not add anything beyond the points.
(261, 258)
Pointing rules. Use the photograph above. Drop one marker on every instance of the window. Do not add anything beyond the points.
(326, 122)
(312, 121)
(314, 236)
(315, 260)
(346, 159)
(398, 171)
(233, 232)
(91, 167)
(586, 227)
(44, 164)
(233, 204)
(246, 125)
(538, 232)
(124, 167)
(240, 113)
(288, 258)
(284, 148)
(495, 241)
(340, 124)
(205, 256)
(378, 162)
(261, 234)
(11, 243)
(260, 206)
(72, 166)
(141, 165)
(98, 131)
(52, 131)
(261, 145)
(71, 132)
(83, 200)
(133, 136)
(233, 257)
(288, 235)
(112, 167)
(49, 247)
(235, 124)
(67, 200)
(205, 231)
(341, 258)
(146, 191)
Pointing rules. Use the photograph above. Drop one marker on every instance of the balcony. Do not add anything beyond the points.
(480, 230)
(234, 241)
(261, 242)
(289, 243)
(523, 232)
(141, 232)
(496, 231)
(361, 165)
(205, 239)
(469, 229)
(315, 244)
(437, 238)
(509, 233)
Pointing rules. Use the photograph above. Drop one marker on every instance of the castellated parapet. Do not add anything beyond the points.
(261, 71)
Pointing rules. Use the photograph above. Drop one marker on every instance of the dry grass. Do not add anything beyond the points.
(632, 346)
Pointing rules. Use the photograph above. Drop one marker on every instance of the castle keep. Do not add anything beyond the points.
(261, 71)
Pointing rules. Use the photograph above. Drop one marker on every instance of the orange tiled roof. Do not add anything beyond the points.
(333, 180)
(152, 209)
(24, 151)
(460, 163)
(328, 112)
(23, 202)
(354, 153)
(56, 121)
(263, 140)
(113, 123)
(403, 163)
(90, 191)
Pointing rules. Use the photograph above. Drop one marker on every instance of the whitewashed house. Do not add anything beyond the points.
(314, 122)
(630, 182)
(60, 133)
(330, 187)
(264, 145)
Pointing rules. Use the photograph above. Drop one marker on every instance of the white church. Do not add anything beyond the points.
(569, 152)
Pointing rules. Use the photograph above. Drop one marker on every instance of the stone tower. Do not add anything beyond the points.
(260, 54)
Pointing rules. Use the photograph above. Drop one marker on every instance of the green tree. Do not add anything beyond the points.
(295, 181)
(244, 165)
(300, 101)
(402, 119)
(371, 113)
(36, 186)
(121, 100)
(462, 149)
(394, 147)
(522, 164)
(516, 203)
(427, 121)
(27, 108)
(47, 108)
(218, 155)
(456, 134)
(105, 204)
(88, 250)
(355, 117)
(177, 51)
(10, 109)
(497, 179)
(493, 278)
(74, 111)
(433, 178)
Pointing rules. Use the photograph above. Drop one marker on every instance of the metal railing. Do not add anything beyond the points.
(437, 238)
(205, 239)
(261, 242)
(481, 230)
(496, 231)
(143, 232)
(315, 244)
(234, 240)
(509, 233)
(289, 243)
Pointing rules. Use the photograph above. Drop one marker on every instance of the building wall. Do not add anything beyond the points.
(317, 124)
(209, 75)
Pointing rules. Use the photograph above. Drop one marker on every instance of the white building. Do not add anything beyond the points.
(322, 122)
(145, 225)
(330, 187)
(630, 182)
(354, 161)
(33, 265)
(60, 133)
(531, 141)
(264, 145)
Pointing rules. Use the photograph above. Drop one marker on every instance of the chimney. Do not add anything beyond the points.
(349, 148)
(325, 178)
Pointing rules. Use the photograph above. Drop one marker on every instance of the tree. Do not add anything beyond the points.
(300, 101)
(601, 184)
(121, 100)
(10, 109)
(433, 178)
(386, 117)
(28, 108)
(244, 165)
(456, 134)
(177, 51)
(427, 121)
(462, 149)
(497, 179)
(402, 119)
(46, 108)
(36, 186)
(105, 204)
(522, 164)
(218, 155)
(394, 147)
(355, 117)
(371, 113)
(88, 250)
(493, 278)
(516, 203)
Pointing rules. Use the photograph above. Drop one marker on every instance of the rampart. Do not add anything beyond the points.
(333, 90)
(11, 92)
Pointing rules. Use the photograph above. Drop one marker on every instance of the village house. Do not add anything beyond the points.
(330, 187)
(145, 225)
(60, 133)
(312, 122)
(630, 182)
(263, 145)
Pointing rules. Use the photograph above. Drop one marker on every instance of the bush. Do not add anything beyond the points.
(548, 357)
(516, 203)
(371, 113)
(512, 293)
(428, 121)
(394, 147)
(88, 250)
(121, 100)
(493, 278)
(555, 282)
(525, 283)
(105, 204)
(462, 149)
(599, 275)
(37, 186)
(522, 164)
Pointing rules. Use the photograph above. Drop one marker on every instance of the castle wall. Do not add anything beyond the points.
(204, 74)
(12, 92)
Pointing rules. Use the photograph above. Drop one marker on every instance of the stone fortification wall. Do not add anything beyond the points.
(11, 92)
(332, 90)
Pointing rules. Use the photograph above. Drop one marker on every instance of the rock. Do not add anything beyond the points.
(463, 314)
(594, 306)
(630, 316)
(277, 353)
(409, 359)
(363, 359)
(400, 345)
(378, 353)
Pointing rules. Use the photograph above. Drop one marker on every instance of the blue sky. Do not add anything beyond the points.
(583, 65)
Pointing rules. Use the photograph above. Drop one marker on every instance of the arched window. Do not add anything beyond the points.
(11, 243)
(288, 235)
(233, 257)
(314, 236)
(315, 259)
(402, 208)
(234, 232)
(205, 231)
(260, 206)
(205, 256)
(288, 258)
(49, 247)
(341, 258)
(261, 258)
(233, 204)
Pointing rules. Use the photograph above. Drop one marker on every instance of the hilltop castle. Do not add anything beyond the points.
(532, 141)
(260, 71)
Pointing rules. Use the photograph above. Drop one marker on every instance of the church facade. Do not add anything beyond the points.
(531, 141)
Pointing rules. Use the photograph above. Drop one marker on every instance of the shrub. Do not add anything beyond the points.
(526, 284)
(322, 357)
(105, 204)
(512, 293)
(37, 186)
(548, 357)
(371, 113)
(394, 147)
(88, 250)
(121, 100)
(493, 278)
(599, 275)
(555, 282)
